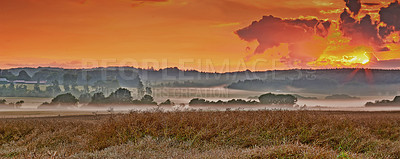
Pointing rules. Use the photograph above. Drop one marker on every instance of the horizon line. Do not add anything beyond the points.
(160, 69)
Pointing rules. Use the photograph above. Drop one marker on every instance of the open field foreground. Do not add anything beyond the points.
(231, 134)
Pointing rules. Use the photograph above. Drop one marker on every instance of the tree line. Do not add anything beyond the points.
(4, 104)
(121, 96)
(265, 99)
(394, 102)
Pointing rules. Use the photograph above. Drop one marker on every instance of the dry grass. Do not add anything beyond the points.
(233, 134)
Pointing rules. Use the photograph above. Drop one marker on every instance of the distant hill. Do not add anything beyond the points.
(324, 81)
(334, 81)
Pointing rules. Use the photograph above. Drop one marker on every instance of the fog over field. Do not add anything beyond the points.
(183, 96)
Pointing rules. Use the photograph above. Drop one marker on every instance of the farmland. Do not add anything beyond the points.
(204, 134)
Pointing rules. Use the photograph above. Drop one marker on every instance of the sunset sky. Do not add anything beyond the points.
(200, 34)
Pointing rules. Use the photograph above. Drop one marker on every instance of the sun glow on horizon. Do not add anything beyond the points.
(344, 61)
(340, 52)
(359, 57)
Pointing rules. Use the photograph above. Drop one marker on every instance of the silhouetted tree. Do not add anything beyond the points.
(98, 98)
(120, 96)
(396, 99)
(394, 102)
(2, 101)
(279, 99)
(65, 99)
(148, 100)
(167, 103)
(19, 104)
(199, 102)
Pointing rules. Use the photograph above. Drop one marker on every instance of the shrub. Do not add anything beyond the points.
(2, 101)
(120, 96)
(279, 99)
(19, 103)
(197, 101)
(167, 103)
(148, 100)
(65, 99)
(394, 102)
(98, 98)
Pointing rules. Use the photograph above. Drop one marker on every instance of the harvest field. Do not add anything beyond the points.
(204, 134)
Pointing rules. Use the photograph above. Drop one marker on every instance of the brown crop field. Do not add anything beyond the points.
(231, 134)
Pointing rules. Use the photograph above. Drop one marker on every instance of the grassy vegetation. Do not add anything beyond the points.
(232, 134)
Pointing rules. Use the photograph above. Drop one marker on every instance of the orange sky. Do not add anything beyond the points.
(197, 34)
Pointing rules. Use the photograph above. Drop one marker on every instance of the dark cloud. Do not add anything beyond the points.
(271, 31)
(322, 28)
(371, 4)
(384, 49)
(346, 18)
(353, 5)
(366, 31)
(363, 31)
(391, 15)
(384, 31)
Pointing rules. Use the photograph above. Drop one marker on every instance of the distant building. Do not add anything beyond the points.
(19, 81)
(4, 81)
(28, 82)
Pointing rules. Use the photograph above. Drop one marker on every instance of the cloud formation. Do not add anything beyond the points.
(354, 6)
(362, 32)
(391, 15)
(367, 32)
(355, 28)
(271, 31)
(371, 4)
